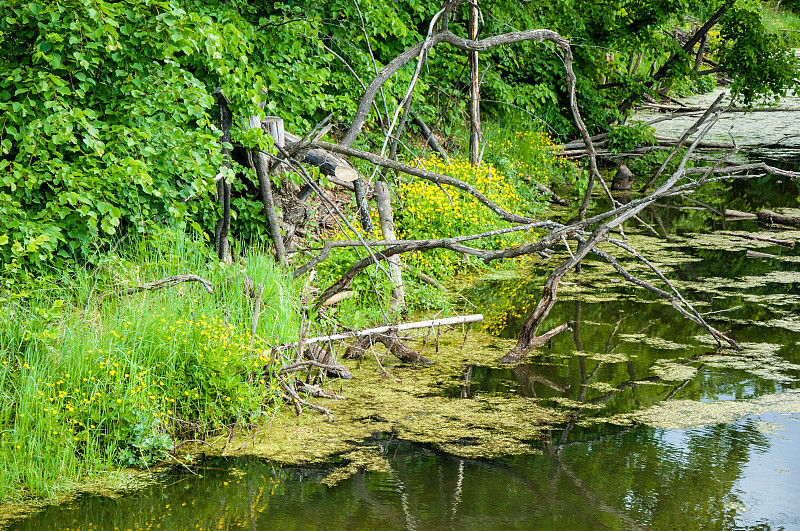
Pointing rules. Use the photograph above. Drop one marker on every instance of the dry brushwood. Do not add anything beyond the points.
(393, 343)
(586, 232)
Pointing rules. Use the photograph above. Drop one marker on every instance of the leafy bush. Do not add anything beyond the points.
(625, 137)
(109, 120)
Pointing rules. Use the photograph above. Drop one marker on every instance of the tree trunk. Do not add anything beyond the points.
(362, 206)
(698, 59)
(387, 229)
(474, 91)
(261, 164)
(222, 229)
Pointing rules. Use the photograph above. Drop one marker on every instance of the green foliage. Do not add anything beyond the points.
(688, 85)
(108, 120)
(762, 65)
(143, 372)
(784, 21)
(104, 126)
(625, 137)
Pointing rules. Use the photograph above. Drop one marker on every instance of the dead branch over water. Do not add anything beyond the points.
(586, 234)
(681, 181)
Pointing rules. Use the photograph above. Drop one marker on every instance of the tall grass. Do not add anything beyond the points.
(142, 371)
(781, 21)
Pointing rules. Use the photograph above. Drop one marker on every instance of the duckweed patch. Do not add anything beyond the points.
(672, 371)
(684, 414)
(366, 458)
(789, 323)
(606, 357)
(662, 344)
(758, 359)
(413, 409)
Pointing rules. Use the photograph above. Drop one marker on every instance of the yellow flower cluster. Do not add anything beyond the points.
(430, 211)
(183, 370)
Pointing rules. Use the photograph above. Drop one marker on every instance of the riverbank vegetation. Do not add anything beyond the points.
(133, 157)
(121, 378)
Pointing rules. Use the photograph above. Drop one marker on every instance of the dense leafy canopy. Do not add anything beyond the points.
(108, 123)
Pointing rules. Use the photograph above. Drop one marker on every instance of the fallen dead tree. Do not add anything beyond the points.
(769, 217)
(171, 281)
(587, 241)
(585, 234)
(447, 321)
(318, 354)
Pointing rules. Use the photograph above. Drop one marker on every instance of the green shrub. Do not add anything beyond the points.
(626, 137)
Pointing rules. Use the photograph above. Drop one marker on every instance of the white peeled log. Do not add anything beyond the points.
(475, 318)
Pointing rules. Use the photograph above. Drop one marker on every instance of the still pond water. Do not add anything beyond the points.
(723, 454)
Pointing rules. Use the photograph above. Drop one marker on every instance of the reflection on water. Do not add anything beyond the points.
(627, 353)
(743, 475)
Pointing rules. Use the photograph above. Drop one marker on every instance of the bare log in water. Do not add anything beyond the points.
(293, 398)
(536, 341)
(755, 254)
(770, 217)
(448, 321)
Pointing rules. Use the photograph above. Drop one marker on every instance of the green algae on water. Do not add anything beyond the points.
(758, 359)
(672, 371)
(685, 414)
(362, 458)
(411, 405)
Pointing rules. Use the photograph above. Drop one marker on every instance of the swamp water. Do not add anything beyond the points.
(634, 420)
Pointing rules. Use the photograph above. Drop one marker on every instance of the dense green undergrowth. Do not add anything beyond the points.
(143, 371)
(783, 20)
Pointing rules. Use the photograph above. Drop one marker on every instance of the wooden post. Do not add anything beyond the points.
(221, 245)
(474, 91)
(261, 165)
(383, 200)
